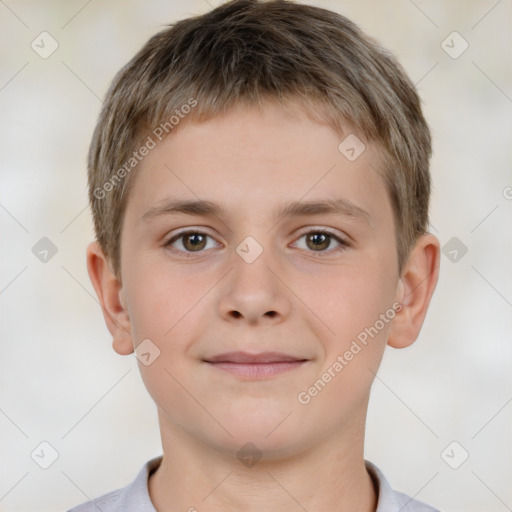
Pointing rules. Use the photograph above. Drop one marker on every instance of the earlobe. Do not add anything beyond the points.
(110, 294)
(414, 291)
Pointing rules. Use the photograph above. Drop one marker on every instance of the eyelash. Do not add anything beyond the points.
(343, 243)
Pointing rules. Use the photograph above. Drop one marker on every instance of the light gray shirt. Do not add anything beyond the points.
(135, 497)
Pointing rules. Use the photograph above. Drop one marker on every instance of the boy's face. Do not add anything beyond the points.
(304, 296)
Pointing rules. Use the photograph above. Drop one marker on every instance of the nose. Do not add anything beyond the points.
(254, 293)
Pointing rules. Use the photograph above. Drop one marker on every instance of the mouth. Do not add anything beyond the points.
(255, 366)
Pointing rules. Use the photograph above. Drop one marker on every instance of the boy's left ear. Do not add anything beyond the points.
(414, 291)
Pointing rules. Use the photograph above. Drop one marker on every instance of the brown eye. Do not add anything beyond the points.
(189, 241)
(194, 242)
(321, 242)
(318, 241)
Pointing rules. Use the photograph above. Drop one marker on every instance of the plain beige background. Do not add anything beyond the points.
(62, 384)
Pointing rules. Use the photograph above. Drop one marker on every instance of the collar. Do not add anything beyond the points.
(136, 495)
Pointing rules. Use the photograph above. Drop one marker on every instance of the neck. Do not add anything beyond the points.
(329, 475)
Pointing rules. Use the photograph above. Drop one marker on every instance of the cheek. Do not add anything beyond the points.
(360, 318)
(161, 300)
(348, 299)
(161, 309)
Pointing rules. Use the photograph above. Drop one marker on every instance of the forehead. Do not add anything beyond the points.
(252, 161)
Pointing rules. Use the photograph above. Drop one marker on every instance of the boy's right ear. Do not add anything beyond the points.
(110, 294)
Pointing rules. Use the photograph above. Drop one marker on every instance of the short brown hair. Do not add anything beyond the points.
(251, 51)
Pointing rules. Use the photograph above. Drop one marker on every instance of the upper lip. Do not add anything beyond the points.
(247, 358)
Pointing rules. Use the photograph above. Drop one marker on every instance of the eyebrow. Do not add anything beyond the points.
(292, 209)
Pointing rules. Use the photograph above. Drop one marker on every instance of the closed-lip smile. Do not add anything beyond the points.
(255, 366)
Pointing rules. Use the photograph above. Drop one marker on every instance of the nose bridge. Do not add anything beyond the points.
(254, 290)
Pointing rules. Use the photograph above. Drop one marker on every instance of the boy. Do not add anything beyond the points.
(259, 180)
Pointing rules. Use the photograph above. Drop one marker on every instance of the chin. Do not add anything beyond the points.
(267, 436)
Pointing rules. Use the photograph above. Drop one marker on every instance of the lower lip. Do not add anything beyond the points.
(258, 370)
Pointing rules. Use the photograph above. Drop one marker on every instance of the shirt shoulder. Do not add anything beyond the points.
(132, 498)
(394, 501)
(107, 503)
(135, 496)
(408, 504)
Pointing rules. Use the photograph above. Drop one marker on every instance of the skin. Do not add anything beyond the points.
(294, 298)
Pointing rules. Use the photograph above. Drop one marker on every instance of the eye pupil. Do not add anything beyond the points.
(196, 239)
(319, 240)
(316, 241)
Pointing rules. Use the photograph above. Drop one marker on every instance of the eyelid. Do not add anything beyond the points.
(187, 231)
(342, 239)
(328, 231)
